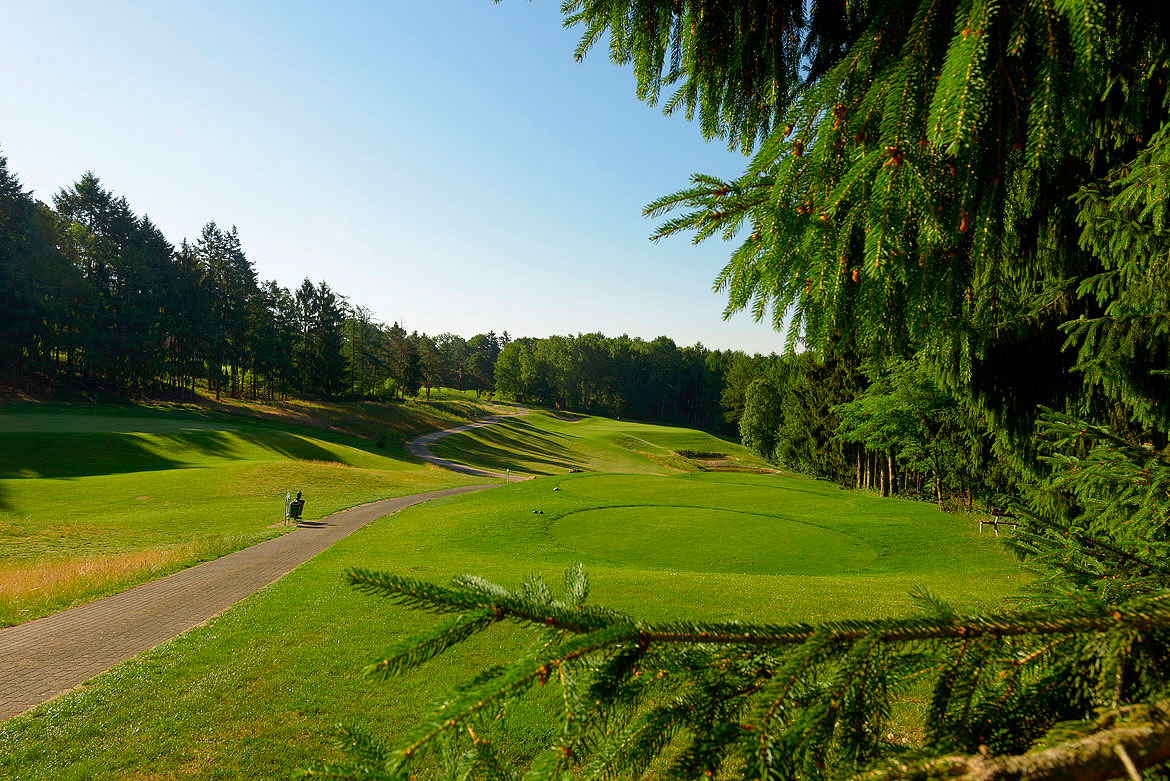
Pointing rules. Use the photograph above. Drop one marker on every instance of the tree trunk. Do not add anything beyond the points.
(893, 482)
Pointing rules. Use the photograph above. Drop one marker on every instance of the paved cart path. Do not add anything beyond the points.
(42, 658)
(45, 657)
(418, 446)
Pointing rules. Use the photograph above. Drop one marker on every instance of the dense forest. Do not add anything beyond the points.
(94, 297)
(628, 377)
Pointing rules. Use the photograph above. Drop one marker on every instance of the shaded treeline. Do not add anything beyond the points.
(887, 426)
(623, 377)
(94, 297)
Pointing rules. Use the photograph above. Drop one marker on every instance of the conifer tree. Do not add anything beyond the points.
(919, 167)
(981, 182)
(20, 309)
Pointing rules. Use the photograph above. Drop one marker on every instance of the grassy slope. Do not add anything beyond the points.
(541, 443)
(93, 502)
(224, 700)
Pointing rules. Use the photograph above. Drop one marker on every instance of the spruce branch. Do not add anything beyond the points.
(1096, 757)
(777, 701)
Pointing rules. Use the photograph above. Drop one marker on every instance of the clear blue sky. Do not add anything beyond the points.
(445, 163)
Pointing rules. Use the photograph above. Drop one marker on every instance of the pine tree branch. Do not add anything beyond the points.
(1096, 757)
(1142, 614)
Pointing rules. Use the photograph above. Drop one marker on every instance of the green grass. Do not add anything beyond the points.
(386, 421)
(257, 690)
(94, 502)
(542, 443)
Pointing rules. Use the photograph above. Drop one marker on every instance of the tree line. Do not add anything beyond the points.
(623, 376)
(94, 296)
(888, 426)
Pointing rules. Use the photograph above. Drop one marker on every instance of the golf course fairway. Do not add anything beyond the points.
(256, 691)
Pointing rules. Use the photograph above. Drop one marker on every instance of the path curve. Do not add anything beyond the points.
(419, 446)
(45, 657)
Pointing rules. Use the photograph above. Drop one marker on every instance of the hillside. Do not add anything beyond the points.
(93, 500)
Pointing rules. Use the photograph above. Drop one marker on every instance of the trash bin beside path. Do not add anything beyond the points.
(294, 508)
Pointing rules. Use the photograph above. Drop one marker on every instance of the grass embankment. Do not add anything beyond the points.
(545, 443)
(257, 690)
(373, 420)
(94, 501)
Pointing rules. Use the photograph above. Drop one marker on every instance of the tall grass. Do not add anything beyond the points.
(33, 589)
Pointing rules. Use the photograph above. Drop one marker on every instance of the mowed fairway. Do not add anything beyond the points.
(93, 503)
(544, 443)
(256, 691)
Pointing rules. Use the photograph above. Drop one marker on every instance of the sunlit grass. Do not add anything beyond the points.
(92, 502)
(31, 589)
(547, 443)
(258, 690)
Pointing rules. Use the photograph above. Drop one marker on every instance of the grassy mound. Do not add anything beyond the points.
(708, 540)
(545, 443)
(257, 690)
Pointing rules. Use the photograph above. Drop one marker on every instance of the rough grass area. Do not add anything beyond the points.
(92, 502)
(545, 443)
(256, 692)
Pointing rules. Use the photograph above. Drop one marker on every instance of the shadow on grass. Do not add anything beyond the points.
(81, 455)
(77, 455)
(504, 445)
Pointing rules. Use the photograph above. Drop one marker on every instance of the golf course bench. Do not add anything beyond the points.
(998, 517)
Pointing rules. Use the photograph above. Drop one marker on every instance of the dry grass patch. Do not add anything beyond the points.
(31, 589)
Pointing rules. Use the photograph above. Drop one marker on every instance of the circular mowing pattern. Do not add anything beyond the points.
(688, 539)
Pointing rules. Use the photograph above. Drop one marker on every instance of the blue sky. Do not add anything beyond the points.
(444, 163)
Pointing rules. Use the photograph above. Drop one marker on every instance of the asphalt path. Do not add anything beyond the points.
(48, 656)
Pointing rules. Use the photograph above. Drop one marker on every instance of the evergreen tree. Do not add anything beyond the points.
(20, 307)
(756, 701)
(320, 357)
(430, 363)
(808, 418)
(363, 351)
(229, 283)
(925, 183)
(978, 183)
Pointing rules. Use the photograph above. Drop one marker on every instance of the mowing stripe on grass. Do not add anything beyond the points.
(43, 658)
(418, 446)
